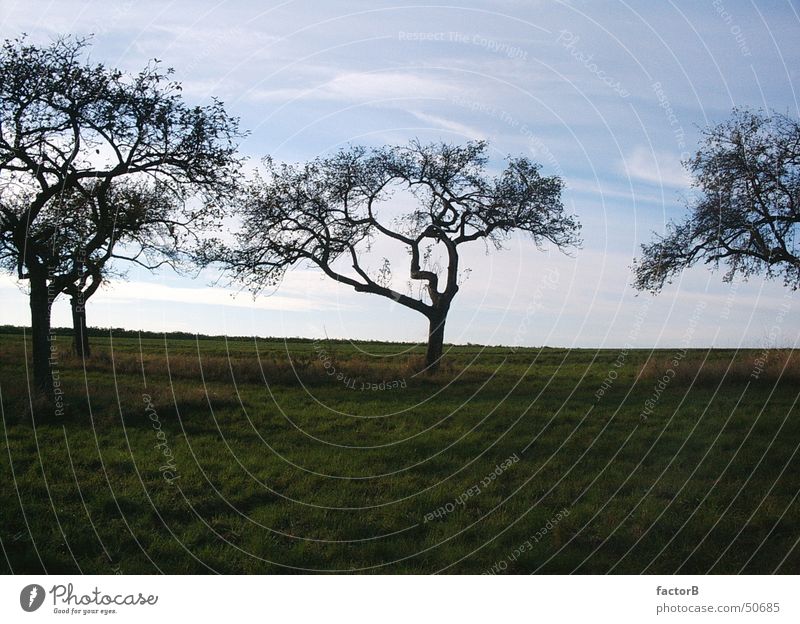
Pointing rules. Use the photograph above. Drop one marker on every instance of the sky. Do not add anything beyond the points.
(610, 95)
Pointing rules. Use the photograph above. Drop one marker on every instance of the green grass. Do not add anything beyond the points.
(279, 476)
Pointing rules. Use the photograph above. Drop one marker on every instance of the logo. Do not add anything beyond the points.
(31, 597)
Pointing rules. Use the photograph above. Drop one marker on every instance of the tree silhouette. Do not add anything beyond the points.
(328, 213)
(748, 174)
(69, 128)
(136, 221)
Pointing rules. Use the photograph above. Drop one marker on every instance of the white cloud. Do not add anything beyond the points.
(357, 86)
(469, 132)
(301, 74)
(305, 292)
(661, 168)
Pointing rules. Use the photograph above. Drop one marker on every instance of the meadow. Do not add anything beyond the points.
(181, 454)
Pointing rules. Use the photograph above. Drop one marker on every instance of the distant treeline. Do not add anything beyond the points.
(119, 332)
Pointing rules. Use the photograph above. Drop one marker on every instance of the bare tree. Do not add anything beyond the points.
(748, 174)
(328, 213)
(67, 125)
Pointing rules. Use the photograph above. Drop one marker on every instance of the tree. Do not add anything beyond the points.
(328, 213)
(747, 172)
(137, 221)
(69, 128)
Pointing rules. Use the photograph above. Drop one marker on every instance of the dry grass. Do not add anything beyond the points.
(272, 369)
(769, 365)
(311, 367)
(243, 471)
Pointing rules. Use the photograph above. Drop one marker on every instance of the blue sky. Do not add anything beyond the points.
(610, 95)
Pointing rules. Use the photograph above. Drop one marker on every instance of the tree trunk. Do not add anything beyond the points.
(40, 334)
(435, 340)
(80, 337)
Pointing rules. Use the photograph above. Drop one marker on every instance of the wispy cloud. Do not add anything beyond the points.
(661, 168)
(467, 132)
(307, 77)
(299, 297)
(369, 86)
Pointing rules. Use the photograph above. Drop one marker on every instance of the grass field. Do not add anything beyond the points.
(191, 456)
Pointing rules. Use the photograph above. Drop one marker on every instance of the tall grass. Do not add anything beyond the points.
(335, 479)
(309, 367)
(767, 366)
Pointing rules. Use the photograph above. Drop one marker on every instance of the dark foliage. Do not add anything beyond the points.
(748, 174)
(70, 133)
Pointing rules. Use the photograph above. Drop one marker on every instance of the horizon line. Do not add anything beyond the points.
(148, 333)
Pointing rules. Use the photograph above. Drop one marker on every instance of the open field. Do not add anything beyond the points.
(188, 456)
